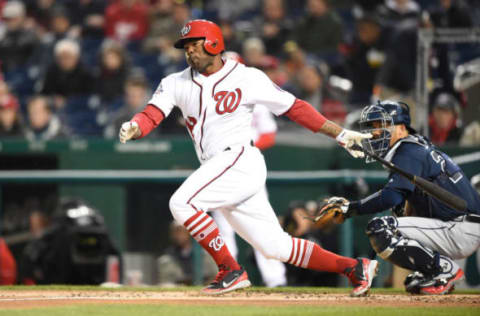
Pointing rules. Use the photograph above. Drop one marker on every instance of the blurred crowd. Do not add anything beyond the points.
(77, 68)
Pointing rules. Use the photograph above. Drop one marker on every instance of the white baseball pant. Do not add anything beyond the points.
(233, 182)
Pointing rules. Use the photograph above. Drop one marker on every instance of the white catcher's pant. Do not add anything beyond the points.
(233, 182)
(455, 239)
(273, 271)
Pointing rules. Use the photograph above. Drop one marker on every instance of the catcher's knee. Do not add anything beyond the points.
(382, 232)
(407, 253)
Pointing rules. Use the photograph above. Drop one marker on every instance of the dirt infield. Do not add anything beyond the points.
(35, 299)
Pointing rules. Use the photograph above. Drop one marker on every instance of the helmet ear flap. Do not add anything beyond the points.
(211, 46)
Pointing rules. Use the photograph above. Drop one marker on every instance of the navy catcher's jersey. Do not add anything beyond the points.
(418, 156)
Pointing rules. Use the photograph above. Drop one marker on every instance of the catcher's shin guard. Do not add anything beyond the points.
(409, 254)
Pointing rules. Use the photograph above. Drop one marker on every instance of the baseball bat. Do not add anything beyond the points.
(426, 186)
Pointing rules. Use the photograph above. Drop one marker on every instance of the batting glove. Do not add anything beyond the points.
(128, 131)
(348, 138)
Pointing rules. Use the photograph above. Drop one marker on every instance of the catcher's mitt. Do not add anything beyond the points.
(331, 214)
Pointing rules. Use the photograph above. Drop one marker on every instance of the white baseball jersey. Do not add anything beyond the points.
(263, 121)
(218, 108)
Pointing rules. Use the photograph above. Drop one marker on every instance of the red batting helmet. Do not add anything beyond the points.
(203, 29)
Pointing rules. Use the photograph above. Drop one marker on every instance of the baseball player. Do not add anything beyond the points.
(217, 97)
(273, 271)
(430, 233)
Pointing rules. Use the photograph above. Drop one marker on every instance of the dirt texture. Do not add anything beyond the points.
(36, 299)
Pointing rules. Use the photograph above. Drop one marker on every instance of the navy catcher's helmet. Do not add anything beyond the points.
(381, 117)
(400, 113)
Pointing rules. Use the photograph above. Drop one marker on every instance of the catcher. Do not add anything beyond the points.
(425, 235)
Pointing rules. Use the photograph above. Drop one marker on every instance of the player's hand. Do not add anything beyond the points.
(128, 131)
(348, 138)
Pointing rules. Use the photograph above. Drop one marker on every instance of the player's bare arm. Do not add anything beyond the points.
(306, 115)
(331, 129)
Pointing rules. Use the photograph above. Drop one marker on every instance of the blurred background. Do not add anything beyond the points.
(77, 207)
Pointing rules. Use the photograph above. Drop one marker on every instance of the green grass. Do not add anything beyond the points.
(222, 310)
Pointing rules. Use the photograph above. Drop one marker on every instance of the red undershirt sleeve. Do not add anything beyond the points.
(148, 119)
(305, 114)
(265, 141)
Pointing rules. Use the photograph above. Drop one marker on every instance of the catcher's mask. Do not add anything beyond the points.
(375, 119)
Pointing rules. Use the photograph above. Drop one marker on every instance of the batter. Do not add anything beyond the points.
(217, 97)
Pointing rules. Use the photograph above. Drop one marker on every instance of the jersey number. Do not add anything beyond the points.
(227, 102)
(440, 160)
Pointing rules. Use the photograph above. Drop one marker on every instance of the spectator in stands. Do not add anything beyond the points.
(41, 12)
(61, 25)
(253, 52)
(320, 32)
(295, 59)
(310, 84)
(56, 28)
(367, 5)
(231, 9)
(233, 42)
(165, 27)
(43, 124)
(166, 20)
(396, 77)
(127, 20)
(89, 16)
(444, 122)
(273, 26)
(113, 71)
(364, 57)
(17, 43)
(394, 12)
(272, 68)
(38, 222)
(135, 97)
(175, 266)
(67, 76)
(312, 87)
(451, 14)
(11, 124)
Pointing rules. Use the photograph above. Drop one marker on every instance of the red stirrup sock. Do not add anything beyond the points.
(203, 228)
(306, 254)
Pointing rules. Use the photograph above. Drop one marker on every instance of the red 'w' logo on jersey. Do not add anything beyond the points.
(190, 122)
(227, 102)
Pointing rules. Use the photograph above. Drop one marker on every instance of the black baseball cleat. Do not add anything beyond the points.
(413, 281)
(361, 276)
(227, 280)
